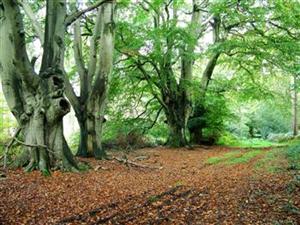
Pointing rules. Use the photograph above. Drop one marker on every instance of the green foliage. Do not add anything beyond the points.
(228, 139)
(269, 118)
(280, 159)
(216, 112)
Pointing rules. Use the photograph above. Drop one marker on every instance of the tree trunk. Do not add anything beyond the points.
(176, 136)
(177, 126)
(94, 81)
(83, 141)
(44, 131)
(36, 101)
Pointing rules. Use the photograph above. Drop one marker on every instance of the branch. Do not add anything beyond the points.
(74, 16)
(69, 91)
(292, 35)
(13, 38)
(36, 26)
(155, 120)
(92, 63)
(78, 49)
(208, 72)
(83, 73)
(146, 107)
(150, 82)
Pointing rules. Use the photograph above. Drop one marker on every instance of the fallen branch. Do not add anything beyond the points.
(131, 163)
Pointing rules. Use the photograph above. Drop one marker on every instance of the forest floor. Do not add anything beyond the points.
(215, 185)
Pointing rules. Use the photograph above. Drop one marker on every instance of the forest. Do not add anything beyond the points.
(149, 112)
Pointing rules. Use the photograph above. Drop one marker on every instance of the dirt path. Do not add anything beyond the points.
(185, 190)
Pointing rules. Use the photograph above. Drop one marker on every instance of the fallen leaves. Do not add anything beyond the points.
(184, 191)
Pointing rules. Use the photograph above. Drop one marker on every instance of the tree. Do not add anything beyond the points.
(36, 100)
(167, 46)
(90, 105)
(94, 80)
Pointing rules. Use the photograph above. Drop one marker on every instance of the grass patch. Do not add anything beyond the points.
(244, 158)
(234, 157)
(273, 161)
(222, 158)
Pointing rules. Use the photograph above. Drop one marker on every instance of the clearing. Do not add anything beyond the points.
(215, 185)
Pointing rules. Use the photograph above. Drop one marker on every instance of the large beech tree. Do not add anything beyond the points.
(168, 47)
(37, 100)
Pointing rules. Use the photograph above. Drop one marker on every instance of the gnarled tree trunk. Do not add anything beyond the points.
(36, 101)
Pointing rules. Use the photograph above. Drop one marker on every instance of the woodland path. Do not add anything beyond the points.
(185, 190)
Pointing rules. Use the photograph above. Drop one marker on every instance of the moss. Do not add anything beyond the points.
(153, 198)
(84, 166)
